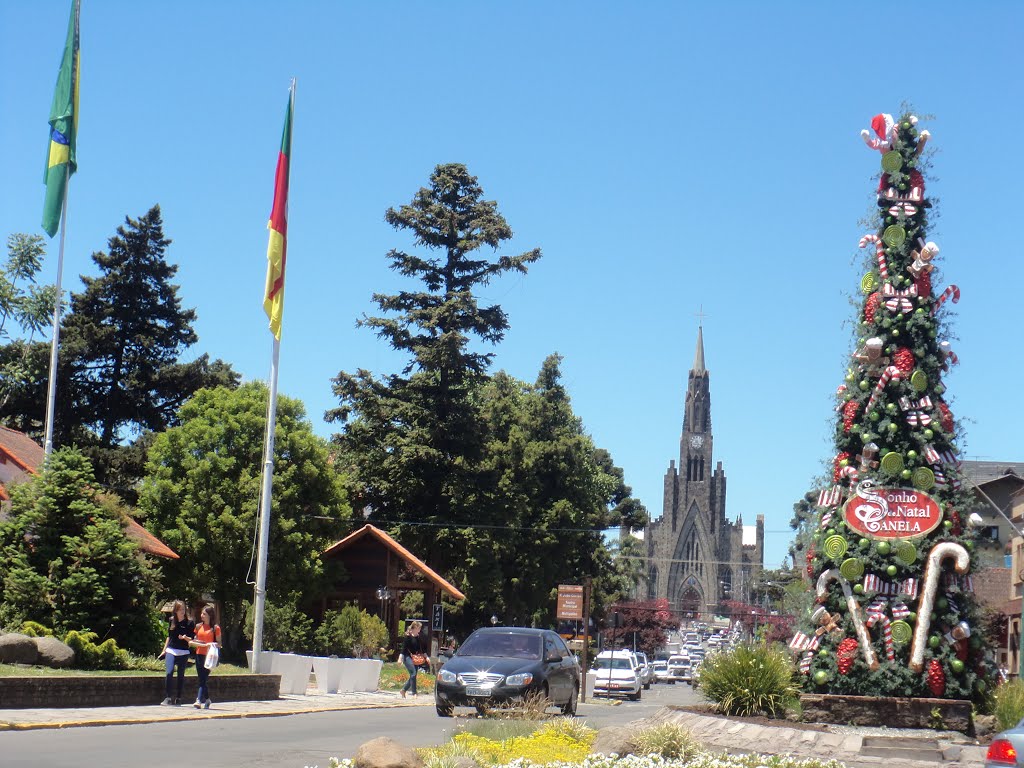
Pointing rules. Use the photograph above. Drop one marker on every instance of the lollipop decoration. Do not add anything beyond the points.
(932, 575)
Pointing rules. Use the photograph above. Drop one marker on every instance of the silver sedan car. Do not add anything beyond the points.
(1006, 749)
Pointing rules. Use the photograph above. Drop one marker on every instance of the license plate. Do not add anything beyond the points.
(476, 690)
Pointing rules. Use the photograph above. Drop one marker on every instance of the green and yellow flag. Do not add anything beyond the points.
(273, 298)
(61, 161)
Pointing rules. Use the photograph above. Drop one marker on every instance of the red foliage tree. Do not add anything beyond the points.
(651, 620)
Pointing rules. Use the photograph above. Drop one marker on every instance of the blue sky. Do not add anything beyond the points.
(663, 156)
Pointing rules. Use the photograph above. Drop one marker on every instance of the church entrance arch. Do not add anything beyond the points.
(690, 602)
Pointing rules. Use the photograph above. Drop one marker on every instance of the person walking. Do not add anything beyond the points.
(413, 656)
(207, 645)
(180, 630)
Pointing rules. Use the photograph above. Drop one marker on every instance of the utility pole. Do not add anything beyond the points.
(586, 636)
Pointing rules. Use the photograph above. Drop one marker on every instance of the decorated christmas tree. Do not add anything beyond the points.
(891, 557)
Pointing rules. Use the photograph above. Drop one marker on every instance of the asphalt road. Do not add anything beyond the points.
(294, 741)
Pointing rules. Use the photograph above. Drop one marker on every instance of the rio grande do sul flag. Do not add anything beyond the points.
(61, 161)
(273, 297)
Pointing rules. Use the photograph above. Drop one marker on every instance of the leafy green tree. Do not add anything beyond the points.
(413, 441)
(68, 563)
(25, 310)
(201, 493)
(286, 628)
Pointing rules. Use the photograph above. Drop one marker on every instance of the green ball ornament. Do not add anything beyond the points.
(980, 685)
(895, 331)
(906, 474)
(903, 187)
(947, 524)
(831, 531)
(850, 378)
(928, 434)
(864, 543)
(906, 125)
(891, 570)
(969, 545)
(933, 617)
(942, 603)
(974, 642)
(919, 311)
(939, 389)
(821, 677)
(864, 385)
(911, 454)
(874, 415)
(824, 653)
(884, 547)
(934, 641)
(957, 666)
(893, 427)
(890, 408)
(912, 617)
(858, 589)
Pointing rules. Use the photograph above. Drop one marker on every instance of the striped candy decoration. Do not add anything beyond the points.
(830, 497)
(802, 642)
(906, 208)
(826, 519)
(849, 471)
(940, 476)
(931, 455)
(963, 583)
(889, 290)
(805, 662)
(907, 587)
(953, 291)
(947, 354)
(901, 305)
(883, 267)
(881, 605)
(892, 372)
(883, 621)
(950, 458)
(900, 611)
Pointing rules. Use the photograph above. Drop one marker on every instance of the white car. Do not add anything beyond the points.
(680, 668)
(661, 674)
(646, 670)
(617, 675)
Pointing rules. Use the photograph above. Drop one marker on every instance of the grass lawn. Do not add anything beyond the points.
(393, 677)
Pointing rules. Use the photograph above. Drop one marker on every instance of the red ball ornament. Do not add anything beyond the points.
(810, 563)
(871, 306)
(838, 464)
(849, 412)
(936, 678)
(945, 417)
(903, 359)
(846, 654)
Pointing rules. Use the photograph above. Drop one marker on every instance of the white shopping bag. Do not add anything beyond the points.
(212, 657)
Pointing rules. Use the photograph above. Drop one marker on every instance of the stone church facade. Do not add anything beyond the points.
(697, 558)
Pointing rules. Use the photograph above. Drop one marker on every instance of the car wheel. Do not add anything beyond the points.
(647, 686)
(444, 710)
(569, 708)
(635, 696)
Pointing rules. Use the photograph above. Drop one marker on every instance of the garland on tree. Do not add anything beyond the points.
(890, 558)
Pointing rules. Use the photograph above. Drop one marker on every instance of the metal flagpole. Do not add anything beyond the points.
(268, 465)
(51, 387)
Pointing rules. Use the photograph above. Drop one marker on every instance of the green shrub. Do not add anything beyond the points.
(285, 627)
(35, 629)
(375, 634)
(667, 740)
(88, 655)
(1009, 708)
(750, 680)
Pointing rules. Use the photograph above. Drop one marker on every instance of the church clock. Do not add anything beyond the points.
(696, 441)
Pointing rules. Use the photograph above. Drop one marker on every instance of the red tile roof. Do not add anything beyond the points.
(992, 587)
(405, 554)
(24, 452)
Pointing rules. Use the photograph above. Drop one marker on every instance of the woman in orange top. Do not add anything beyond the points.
(207, 635)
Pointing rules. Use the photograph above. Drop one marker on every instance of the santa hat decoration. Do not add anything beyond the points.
(882, 125)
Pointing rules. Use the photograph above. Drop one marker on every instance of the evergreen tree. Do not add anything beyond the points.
(896, 615)
(68, 563)
(413, 441)
(201, 496)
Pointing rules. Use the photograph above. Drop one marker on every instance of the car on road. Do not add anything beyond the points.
(505, 665)
(661, 674)
(1006, 749)
(680, 668)
(617, 675)
(646, 670)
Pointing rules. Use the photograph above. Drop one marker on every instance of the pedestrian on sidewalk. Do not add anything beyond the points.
(207, 645)
(180, 629)
(412, 656)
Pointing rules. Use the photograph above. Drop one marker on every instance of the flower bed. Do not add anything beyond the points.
(704, 760)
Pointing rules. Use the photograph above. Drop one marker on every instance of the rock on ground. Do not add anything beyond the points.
(17, 649)
(464, 761)
(53, 653)
(614, 739)
(383, 752)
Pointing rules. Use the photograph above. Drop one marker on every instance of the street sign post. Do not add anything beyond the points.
(437, 618)
(570, 602)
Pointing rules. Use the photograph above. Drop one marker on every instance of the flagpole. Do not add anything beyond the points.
(51, 387)
(268, 468)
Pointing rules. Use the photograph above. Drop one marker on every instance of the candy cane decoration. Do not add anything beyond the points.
(890, 373)
(883, 621)
(932, 576)
(947, 354)
(883, 267)
(953, 291)
(832, 574)
(851, 472)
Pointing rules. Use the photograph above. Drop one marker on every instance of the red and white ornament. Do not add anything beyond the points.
(953, 291)
(885, 132)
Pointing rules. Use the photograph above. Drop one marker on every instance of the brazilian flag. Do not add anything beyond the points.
(61, 162)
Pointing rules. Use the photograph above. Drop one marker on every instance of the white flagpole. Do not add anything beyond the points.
(268, 462)
(51, 387)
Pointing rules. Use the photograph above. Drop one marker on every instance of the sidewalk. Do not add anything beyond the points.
(30, 719)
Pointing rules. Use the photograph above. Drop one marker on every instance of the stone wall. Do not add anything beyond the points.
(127, 690)
(945, 714)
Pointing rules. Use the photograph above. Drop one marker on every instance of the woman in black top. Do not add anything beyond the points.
(180, 630)
(411, 644)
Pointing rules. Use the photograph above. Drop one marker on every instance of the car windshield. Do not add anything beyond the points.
(616, 663)
(510, 645)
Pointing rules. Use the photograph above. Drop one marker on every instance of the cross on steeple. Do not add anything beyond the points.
(700, 315)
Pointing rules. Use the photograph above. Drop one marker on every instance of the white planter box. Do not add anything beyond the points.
(367, 674)
(266, 662)
(328, 674)
(294, 670)
(591, 679)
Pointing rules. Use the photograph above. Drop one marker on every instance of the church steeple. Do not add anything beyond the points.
(698, 357)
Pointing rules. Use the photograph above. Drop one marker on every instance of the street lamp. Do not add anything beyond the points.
(753, 618)
(494, 620)
(383, 594)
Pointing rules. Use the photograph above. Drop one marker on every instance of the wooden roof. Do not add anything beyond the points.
(26, 454)
(405, 554)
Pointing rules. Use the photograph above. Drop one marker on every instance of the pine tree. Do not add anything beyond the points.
(891, 556)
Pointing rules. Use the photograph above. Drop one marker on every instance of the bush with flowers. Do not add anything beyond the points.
(702, 760)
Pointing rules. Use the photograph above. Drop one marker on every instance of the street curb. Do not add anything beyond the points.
(7, 726)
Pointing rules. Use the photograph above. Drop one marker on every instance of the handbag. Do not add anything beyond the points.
(212, 657)
(419, 659)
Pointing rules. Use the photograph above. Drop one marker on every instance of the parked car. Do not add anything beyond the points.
(498, 665)
(680, 668)
(661, 674)
(1006, 749)
(617, 675)
(646, 670)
